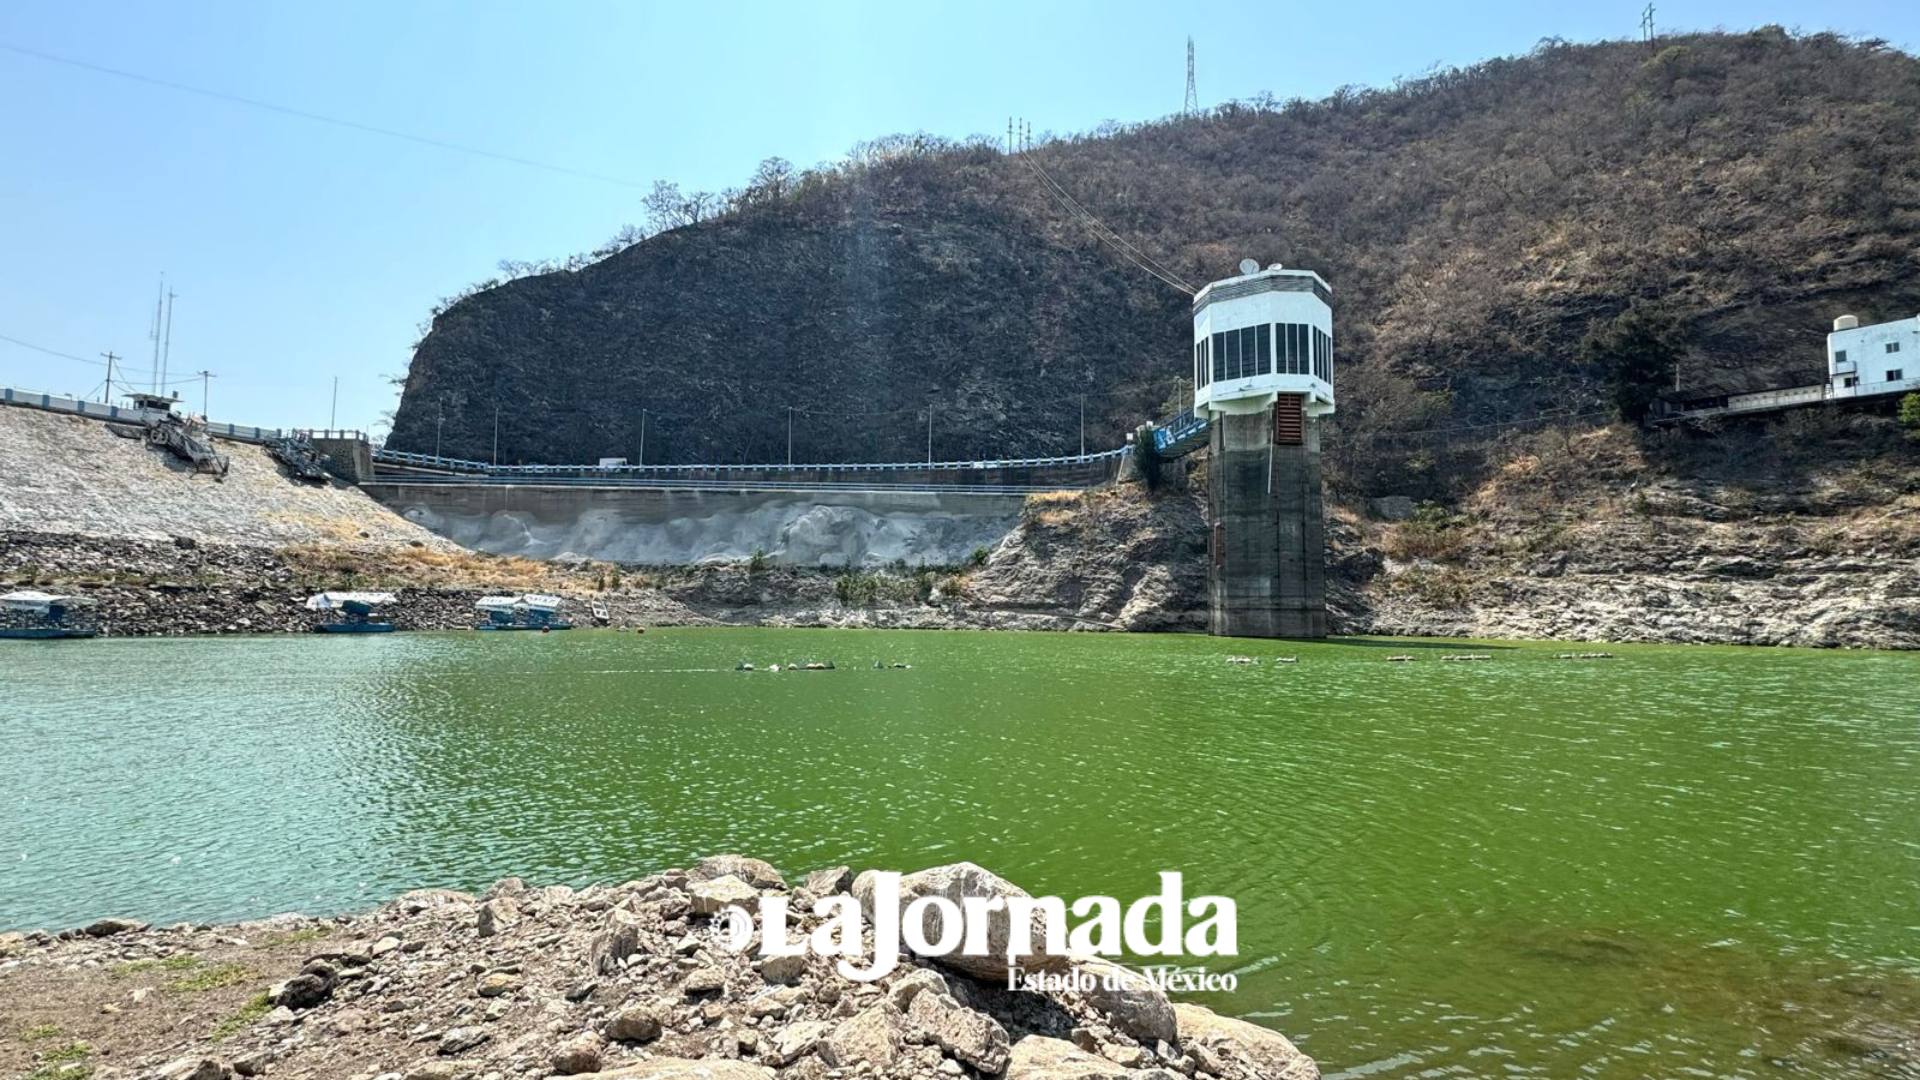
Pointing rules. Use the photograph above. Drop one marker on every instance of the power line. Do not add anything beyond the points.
(303, 114)
(1101, 231)
(52, 352)
(79, 359)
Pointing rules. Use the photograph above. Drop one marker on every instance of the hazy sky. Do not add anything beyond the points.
(302, 251)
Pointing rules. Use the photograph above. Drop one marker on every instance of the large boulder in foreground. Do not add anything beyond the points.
(871, 1038)
(1129, 1000)
(1037, 1057)
(1270, 1053)
(712, 897)
(755, 872)
(972, 1037)
(956, 882)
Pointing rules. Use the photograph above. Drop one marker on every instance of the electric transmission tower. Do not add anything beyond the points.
(1646, 27)
(1193, 96)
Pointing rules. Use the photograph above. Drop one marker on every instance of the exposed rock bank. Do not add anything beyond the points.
(1789, 535)
(1804, 533)
(622, 981)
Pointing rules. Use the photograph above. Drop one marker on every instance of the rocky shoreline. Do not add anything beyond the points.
(624, 981)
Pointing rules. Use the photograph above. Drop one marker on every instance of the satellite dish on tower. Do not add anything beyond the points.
(1249, 266)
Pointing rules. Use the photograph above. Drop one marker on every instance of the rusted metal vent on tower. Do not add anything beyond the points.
(1289, 426)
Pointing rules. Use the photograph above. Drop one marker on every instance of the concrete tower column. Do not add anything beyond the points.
(1267, 576)
(1263, 378)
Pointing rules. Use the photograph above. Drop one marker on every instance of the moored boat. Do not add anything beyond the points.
(533, 611)
(37, 615)
(353, 612)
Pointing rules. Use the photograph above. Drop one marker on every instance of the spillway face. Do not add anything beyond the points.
(1267, 576)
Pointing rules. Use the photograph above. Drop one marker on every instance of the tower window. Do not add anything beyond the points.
(1839, 356)
(1895, 374)
(1219, 347)
(1893, 346)
(1263, 348)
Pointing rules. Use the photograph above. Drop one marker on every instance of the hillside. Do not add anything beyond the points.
(1475, 223)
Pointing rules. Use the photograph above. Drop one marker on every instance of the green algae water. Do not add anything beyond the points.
(1677, 862)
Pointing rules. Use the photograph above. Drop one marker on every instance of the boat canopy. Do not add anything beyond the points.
(35, 600)
(531, 601)
(333, 601)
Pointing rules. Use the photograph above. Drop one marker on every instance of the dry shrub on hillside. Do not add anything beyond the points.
(424, 566)
(1431, 533)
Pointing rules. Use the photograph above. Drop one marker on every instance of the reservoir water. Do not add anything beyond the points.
(1678, 862)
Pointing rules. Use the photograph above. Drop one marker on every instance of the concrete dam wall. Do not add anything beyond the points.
(678, 527)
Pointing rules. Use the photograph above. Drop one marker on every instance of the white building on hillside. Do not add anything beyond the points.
(1866, 361)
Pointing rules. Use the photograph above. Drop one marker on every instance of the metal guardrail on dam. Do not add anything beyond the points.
(1006, 476)
(1010, 476)
(464, 465)
(718, 485)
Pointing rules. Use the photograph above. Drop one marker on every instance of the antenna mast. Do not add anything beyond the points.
(1193, 96)
(166, 347)
(159, 305)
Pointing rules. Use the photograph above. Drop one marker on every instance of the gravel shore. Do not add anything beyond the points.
(625, 981)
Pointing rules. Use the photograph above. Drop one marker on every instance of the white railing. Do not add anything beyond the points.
(100, 410)
(465, 465)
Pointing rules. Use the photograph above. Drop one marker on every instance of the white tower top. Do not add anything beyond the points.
(1262, 334)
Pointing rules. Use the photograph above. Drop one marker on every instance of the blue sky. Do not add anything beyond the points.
(302, 252)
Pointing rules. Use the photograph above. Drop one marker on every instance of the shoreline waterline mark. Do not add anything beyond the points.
(999, 926)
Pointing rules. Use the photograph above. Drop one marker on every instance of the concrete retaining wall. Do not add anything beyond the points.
(668, 527)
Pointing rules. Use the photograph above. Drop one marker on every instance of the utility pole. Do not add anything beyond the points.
(1009, 134)
(789, 436)
(1646, 27)
(496, 436)
(110, 359)
(333, 411)
(166, 348)
(643, 438)
(204, 376)
(929, 432)
(439, 426)
(1083, 425)
(1193, 95)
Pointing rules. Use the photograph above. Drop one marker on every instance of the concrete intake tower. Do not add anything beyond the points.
(1263, 377)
